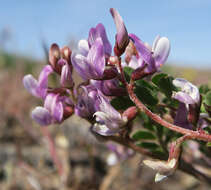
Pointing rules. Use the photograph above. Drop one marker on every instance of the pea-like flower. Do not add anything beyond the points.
(90, 62)
(87, 103)
(189, 107)
(53, 110)
(122, 38)
(38, 88)
(100, 32)
(108, 120)
(189, 93)
(153, 57)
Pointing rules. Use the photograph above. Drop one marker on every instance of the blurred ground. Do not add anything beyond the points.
(25, 159)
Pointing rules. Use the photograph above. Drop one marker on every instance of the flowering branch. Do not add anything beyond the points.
(192, 134)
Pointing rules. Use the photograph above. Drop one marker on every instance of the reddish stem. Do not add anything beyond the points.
(192, 134)
(52, 150)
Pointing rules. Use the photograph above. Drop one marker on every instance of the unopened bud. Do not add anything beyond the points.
(66, 53)
(122, 38)
(68, 111)
(110, 73)
(54, 55)
(130, 113)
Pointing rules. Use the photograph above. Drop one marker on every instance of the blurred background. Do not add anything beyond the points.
(27, 29)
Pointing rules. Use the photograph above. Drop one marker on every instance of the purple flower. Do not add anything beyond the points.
(181, 118)
(122, 38)
(87, 103)
(38, 87)
(90, 63)
(189, 93)
(109, 121)
(99, 32)
(109, 87)
(61, 64)
(189, 107)
(53, 109)
(154, 57)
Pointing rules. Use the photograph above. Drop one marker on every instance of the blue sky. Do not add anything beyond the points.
(187, 24)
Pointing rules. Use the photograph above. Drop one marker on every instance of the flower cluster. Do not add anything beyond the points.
(105, 80)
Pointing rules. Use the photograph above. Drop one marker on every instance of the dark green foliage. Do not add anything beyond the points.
(146, 92)
(143, 135)
(164, 83)
(128, 71)
(207, 99)
(203, 89)
(148, 145)
(121, 103)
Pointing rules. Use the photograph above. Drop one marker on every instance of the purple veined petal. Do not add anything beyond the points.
(188, 88)
(57, 108)
(42, 116)
(183, 97)
(43, 80)
(31, 85)
(161, 51)
(106, 44)
(66, 76)
(100, 32)
(80, 65)
(83, 47)
(122, 35)
(181, 117)
(96, 59)
(144, 52)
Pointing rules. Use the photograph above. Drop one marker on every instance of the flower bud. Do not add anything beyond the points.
(66, 54)
(54, 56)
(110, 73)
(130, 113)
(122, 38)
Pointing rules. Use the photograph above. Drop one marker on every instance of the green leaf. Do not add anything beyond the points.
(159, 129)
(164, 83)
(146, 92)
(149, 126)
(203, 89)
(146, 84)
(128, 71)
(148, 145)
(156, 78)
(139, 135)
(207, 99)
(121, 103)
